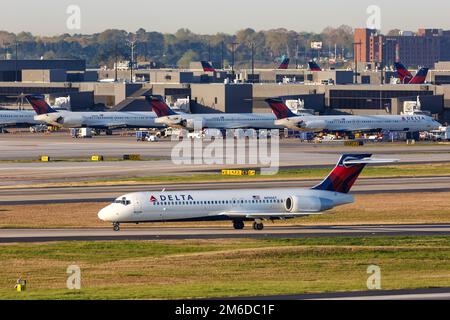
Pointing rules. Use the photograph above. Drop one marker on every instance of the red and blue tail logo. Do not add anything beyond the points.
(420, 76)
(159, 106)
(39, 104)
(342, 178)
(313, 66)
(207, 67)
(403, 74)
(284, 64)
(279, 109)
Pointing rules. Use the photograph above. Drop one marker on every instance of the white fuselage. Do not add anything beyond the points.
(219, 205)
(68, 119)
(13, 118)
(411, 123)
(221, 121)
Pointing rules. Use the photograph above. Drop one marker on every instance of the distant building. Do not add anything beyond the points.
(423, 48)
(12, 70)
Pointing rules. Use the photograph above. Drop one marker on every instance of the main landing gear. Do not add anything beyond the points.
(257, 225)
(238, 224)
(116, 226)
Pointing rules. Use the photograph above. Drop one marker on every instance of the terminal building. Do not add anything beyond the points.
(325, 92)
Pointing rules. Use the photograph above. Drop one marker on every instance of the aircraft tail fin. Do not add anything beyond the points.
(279, 108)
(39, 104)
(284, 64)
(420, 76)
(403, 73)
(207, 67)
(347, 170)
(159, 106)
(313, 66)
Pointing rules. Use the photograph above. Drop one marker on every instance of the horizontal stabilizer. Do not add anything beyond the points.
(369, 161)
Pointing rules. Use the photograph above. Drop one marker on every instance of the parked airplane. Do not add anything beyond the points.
(170, 118)
(284, 64)
(21, 118)
(207, 67)
(95, 120)
(343, 123)
(313, 66)
(407, 78)
(241, 205)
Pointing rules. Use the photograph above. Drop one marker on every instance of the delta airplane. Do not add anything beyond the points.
(256, 205)
(313, 66)
(284, 64)
(207, 67)
(167, 116)
(21, 118)
(407, 78)
(342, 123)
(95, 120)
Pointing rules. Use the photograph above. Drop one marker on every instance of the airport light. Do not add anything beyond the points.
(233, 50)
(222, 54)
(132, 45)
(252, 46)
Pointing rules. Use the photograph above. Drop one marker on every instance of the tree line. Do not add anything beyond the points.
(182, 47)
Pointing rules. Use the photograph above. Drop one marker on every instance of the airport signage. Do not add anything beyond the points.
(238, 172)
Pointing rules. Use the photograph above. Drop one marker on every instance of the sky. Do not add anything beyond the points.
(49, 17)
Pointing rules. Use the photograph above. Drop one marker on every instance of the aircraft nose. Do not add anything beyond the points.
(103, 214)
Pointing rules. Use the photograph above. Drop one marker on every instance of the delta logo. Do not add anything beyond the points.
(175, 197)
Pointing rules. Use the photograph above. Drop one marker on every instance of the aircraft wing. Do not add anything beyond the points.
(237, 126)
(115, 126)
(261, 215)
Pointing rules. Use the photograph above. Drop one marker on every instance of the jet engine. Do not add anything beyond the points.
(295, 204)
(192, 124)
(71, 121)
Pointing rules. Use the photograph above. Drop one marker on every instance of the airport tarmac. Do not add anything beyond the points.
(43, 195)
(292, 153)
(171, 233)
(402, 294)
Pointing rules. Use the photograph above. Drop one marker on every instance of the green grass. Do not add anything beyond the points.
(86, 159)
(221, 268)
(303, 173)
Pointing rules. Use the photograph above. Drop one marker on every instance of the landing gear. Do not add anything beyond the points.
(116, 226)
(238, 224)
(258, 226)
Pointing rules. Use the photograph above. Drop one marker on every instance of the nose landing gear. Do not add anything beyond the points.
(116, 226)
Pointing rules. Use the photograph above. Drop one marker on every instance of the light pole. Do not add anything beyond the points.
(132, 45)
(222, 55)
(16, 76)
(252, 46)
(233, 49)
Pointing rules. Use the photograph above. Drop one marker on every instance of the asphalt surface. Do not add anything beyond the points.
(16, 196)
(404, 294)
(62, 148)
(171, 233)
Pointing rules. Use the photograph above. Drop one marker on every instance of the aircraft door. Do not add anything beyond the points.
(138, 209)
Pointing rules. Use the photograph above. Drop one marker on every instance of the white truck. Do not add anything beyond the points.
(443, 134)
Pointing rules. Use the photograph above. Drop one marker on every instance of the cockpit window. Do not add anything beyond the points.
(124, 201)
